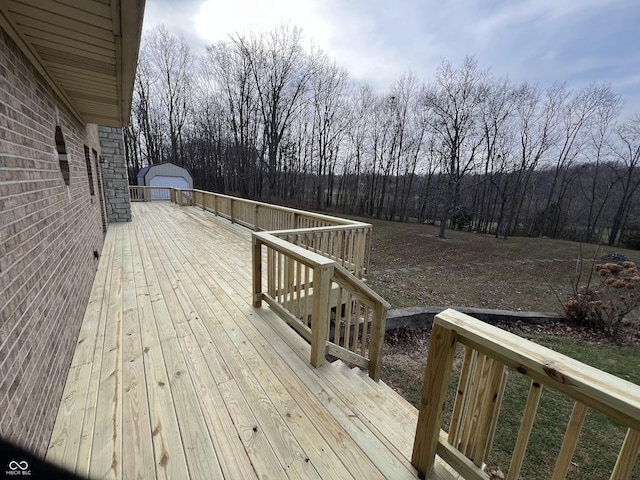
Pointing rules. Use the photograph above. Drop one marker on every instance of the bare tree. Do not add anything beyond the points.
(172, 63)
(453, 100)
(428, 208)
(628, 153)
(353, 180)
(495, 114)
(535, 118)
(328, 91)
(577, 112)
(146, 117)
(408, 131)
(281, 71)
(600, 183)
(228, 69)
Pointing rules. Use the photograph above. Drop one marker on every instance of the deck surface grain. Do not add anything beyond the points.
(177, 375)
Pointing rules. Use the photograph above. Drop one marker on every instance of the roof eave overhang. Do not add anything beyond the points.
(95, 83)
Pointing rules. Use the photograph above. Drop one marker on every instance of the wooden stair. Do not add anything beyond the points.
(390, 417)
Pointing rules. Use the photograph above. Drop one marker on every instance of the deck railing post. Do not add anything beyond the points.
(145, 194)
(320, 313)
(256, 270)
(233, 220)
(367, 250)
(256, 218)
(376, 340)
(434, 391)
(215, 204)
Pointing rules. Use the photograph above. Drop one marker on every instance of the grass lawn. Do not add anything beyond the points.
(474, 270)
(405, 355)
(411, 266)
(601, 437)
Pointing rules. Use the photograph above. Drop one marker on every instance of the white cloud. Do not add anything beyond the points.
(215, 21)
(377, 41)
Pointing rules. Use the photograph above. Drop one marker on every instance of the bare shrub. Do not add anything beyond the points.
(611, 292)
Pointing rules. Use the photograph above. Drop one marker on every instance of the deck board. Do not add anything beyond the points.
(177, 375)
(137, 459)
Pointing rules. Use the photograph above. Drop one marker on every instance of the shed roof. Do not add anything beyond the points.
(164, 168)
(143, 172)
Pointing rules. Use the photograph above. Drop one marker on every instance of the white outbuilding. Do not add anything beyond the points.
(165, 175)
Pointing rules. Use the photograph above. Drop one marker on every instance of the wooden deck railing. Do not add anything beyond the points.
(152, 194)
(345, 241)
(489, 351)
(337, 313)
(314, 266)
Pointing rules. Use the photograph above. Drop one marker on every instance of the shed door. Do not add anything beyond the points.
(164, 181)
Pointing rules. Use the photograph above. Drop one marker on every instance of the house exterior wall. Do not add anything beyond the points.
(48, 234)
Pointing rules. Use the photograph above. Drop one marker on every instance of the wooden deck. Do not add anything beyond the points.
(176, 375)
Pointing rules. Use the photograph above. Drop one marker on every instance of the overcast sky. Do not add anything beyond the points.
(377, 41)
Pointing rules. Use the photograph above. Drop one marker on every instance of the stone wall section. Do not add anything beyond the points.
(48, 235)
(114, 170)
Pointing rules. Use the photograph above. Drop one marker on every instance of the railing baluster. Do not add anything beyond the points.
(473, 412)
(627, 456)
(320, 314)
(279, 277)
(497, 397)
(462, 398)
(347, 326)
(363, 336)
(489, 407)
(299, 283)
(271, 272)
(529, 415)
(356, 329)
(289, 272)
(570, 441)
(256, 261)
(337, 324)
(306, 295)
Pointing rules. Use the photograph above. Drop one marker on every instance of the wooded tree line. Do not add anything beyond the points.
(265, 117)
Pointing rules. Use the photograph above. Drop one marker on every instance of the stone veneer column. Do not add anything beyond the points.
(114, 171)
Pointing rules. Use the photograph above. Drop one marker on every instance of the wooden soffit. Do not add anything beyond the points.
(87, 51)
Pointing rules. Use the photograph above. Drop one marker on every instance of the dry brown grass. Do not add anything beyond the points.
(473, 270)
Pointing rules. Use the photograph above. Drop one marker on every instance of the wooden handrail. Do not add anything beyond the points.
(303, 213)
(589, 387)
(149, 194)
(331, 286)
(283, 220)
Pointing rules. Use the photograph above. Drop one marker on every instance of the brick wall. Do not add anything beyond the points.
(48, 233)
(116, 179)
